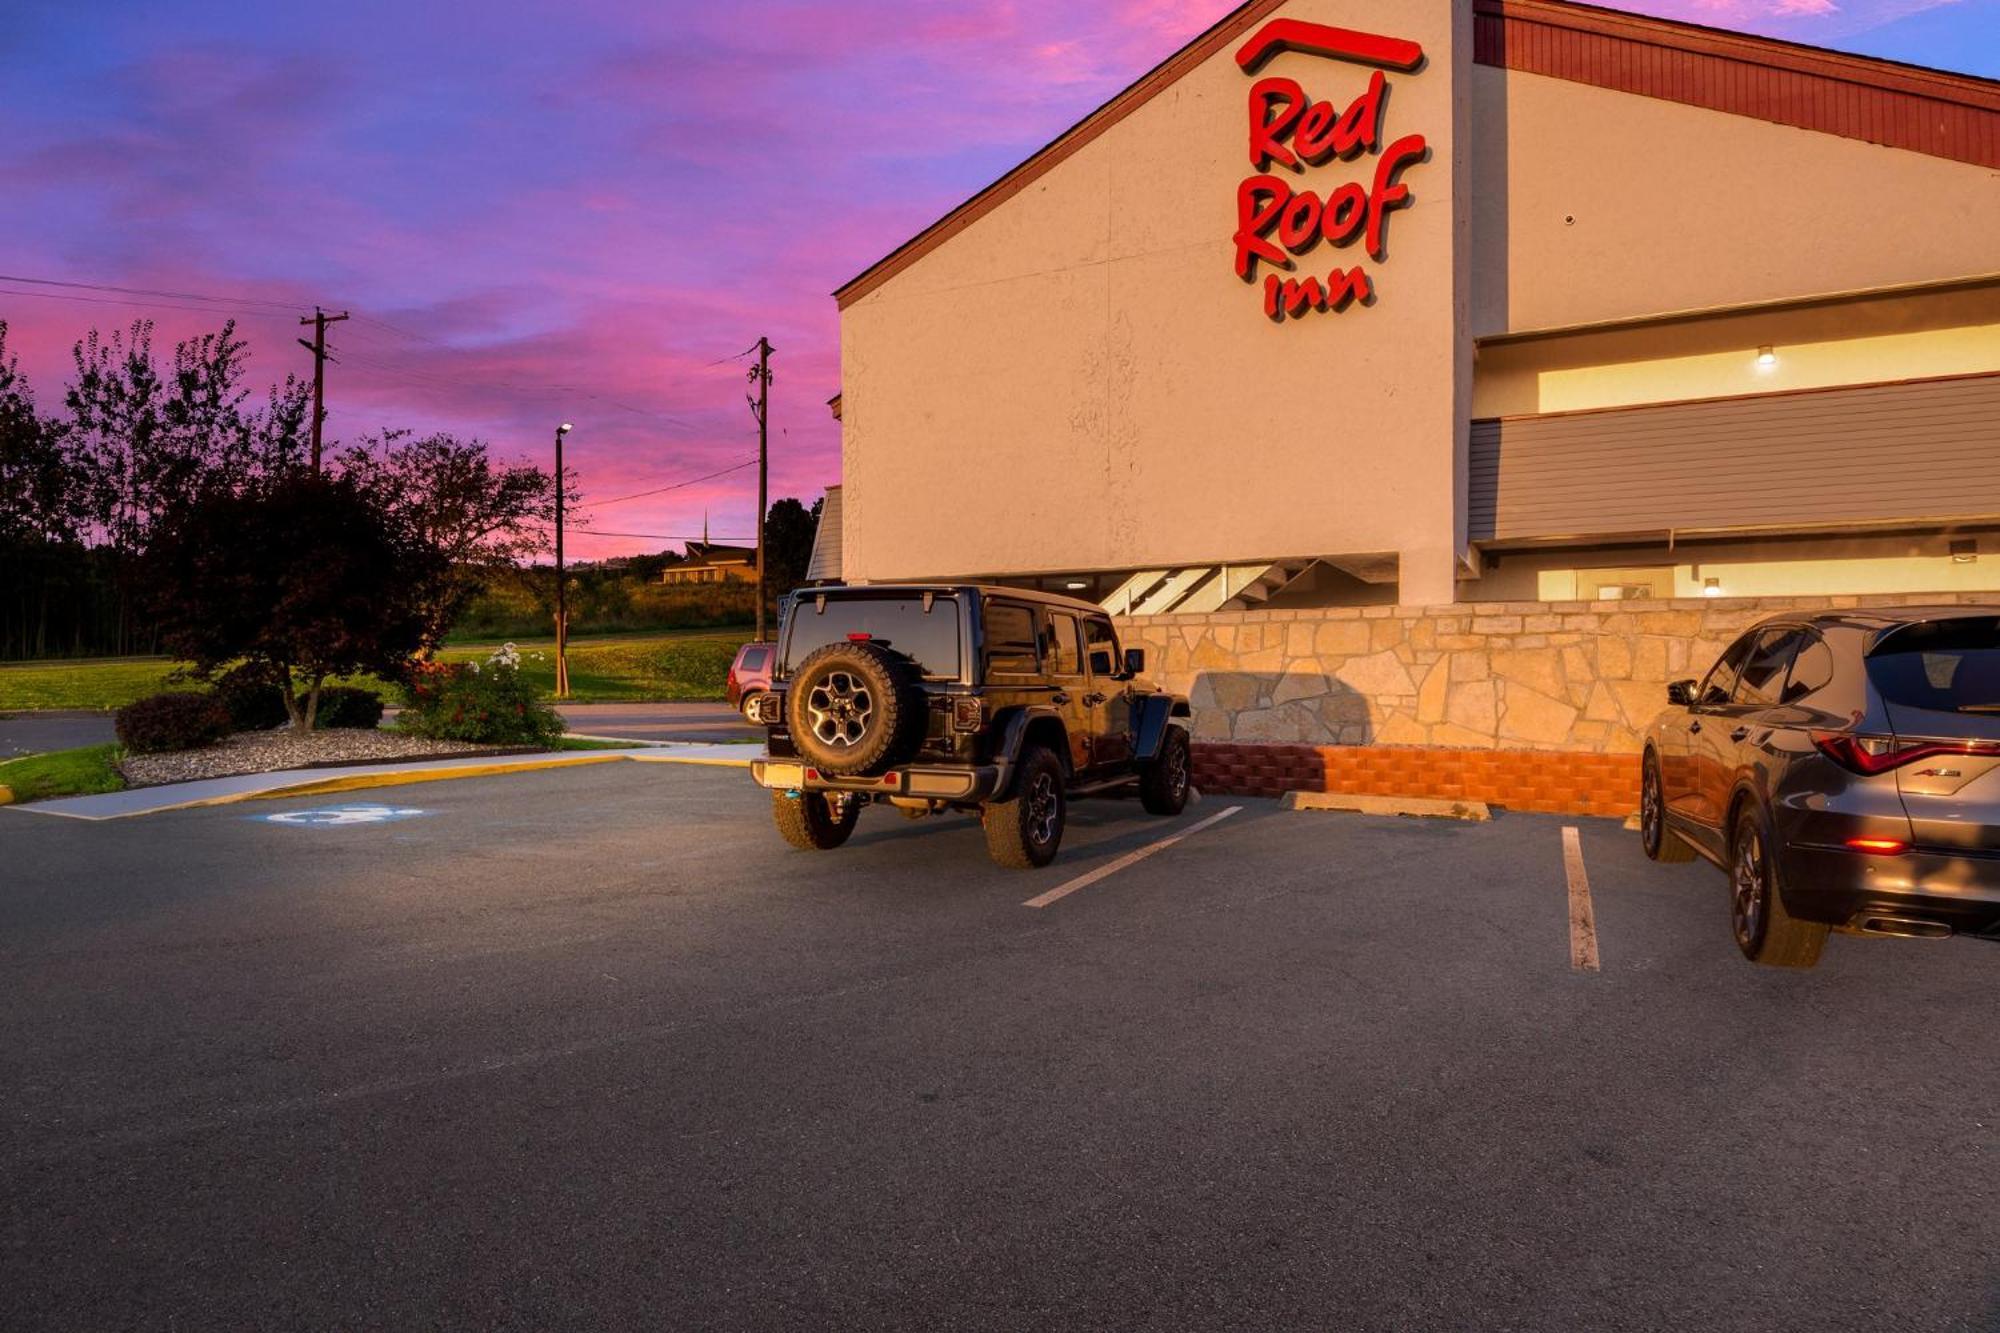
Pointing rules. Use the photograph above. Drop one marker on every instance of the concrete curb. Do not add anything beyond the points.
(1420, 806)
(318, 782)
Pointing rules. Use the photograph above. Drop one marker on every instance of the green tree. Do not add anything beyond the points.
(302, 577)
(788, 537)
(478, 516)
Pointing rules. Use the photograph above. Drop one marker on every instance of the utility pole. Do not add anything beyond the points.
(319, 320)
(562, 605)
(760, 375)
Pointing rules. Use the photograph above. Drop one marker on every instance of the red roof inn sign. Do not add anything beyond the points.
(1276, 222)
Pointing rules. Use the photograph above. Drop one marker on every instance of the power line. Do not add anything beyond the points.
(151, 305)
(661, 490)
(660, 536)
(288, 308)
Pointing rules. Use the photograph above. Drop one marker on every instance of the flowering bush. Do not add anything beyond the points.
(470, 701)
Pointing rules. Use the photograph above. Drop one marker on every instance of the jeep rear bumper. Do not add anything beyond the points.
(954, 783)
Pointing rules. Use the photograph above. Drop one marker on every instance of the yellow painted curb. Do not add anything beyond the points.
(1421, 806)
(358, 781)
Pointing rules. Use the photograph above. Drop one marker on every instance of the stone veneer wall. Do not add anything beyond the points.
(1575, 676)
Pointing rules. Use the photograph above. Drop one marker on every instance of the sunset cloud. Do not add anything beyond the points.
(550, 213)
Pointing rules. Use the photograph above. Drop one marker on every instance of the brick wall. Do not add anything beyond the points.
(1537, 780)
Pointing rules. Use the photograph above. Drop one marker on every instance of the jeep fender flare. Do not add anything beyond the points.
(1020, 724)
(1153, 714)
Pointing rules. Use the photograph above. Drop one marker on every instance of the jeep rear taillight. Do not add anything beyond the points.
(967, 713)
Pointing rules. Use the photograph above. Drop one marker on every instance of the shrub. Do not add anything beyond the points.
(349, 706)
(489, 703)
(179, 721)
(251, 697)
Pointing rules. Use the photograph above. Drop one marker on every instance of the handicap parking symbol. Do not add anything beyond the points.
(341, 816)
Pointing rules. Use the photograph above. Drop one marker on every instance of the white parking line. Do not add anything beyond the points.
(1061, 891)
(1582, 920)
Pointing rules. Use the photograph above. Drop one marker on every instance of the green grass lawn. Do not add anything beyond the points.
(674, 665)
(84, 772)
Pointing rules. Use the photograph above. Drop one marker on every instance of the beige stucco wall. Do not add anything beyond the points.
(1084, 363)
(1680, 208)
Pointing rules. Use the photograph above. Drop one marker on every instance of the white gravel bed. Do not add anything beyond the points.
(270, 751)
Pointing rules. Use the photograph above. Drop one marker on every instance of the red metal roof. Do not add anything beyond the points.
(1942, 114)
(1922, 110)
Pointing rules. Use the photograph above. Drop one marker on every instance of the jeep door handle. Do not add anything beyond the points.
(1059, 697)
(1739, 733)
(1093, 700)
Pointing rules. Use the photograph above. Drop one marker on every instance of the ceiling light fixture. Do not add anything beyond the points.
(1767, 356)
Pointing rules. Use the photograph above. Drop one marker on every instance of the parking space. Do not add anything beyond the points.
(592, 1046)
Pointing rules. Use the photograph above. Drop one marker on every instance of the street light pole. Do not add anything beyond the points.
(562, 605)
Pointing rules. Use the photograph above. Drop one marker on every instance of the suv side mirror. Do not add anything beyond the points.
(1135, 661)
(1100, 663)
(1681, 693)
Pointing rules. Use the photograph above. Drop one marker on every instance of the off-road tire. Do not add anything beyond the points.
(1164, 781)
(1020, 834)
(1659, 842)
(807, 821)
(855, 709)
(1764, 930)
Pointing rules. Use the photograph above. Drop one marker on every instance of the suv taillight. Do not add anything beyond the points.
(968, 713)
(1870, 755)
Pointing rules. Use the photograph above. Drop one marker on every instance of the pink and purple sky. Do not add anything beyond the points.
(542, 212)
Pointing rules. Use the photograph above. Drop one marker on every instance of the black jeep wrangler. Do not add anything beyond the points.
(936, 697)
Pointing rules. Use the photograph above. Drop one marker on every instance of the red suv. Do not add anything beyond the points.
(749, 676)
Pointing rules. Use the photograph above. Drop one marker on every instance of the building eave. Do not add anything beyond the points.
(1936, 112)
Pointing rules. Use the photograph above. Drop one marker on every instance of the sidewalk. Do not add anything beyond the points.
(313, 781)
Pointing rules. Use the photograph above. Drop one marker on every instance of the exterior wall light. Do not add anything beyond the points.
(1711, 587)
(1964, 551)
(1767, 357)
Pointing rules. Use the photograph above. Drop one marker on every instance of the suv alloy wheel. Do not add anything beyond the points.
(1764, 930)
(813, 821)
(855, 708)
(1163, 785)
(1024, 831)
(1659, 844)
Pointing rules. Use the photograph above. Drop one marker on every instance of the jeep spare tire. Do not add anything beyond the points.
(855, 708)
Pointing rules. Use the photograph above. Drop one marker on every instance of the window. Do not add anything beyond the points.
(753, 658)
(1721, 681)
(1010, 639)
(1812, 669)
(1063, 648)
(927, 637)
(1950, 666)
(1098, 638)
(1764, 671)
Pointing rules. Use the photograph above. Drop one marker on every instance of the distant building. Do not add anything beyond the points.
(712, 562)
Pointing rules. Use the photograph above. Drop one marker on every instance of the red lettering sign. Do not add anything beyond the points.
(1277, 222)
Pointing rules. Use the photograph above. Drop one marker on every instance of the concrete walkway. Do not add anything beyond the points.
(311, 781)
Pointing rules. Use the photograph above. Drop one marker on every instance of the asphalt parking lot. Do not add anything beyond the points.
(591, 1048)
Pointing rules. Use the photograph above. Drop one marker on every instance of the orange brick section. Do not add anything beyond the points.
(1546, 781)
